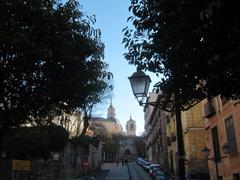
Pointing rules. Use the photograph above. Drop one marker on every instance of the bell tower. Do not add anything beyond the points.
(131, 127)
(111, 111)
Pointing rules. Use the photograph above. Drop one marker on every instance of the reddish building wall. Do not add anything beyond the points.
(228, 167)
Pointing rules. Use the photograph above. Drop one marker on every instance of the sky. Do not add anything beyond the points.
(111, 18)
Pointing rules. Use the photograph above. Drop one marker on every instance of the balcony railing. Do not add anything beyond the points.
(173, 137)
(169, 141)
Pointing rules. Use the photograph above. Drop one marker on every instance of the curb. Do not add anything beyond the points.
(129, 173)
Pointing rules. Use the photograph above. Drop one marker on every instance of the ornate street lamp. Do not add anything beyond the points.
(140, 83)
(226, 150)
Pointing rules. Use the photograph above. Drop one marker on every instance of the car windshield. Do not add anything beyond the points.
(159, 173)
(155, 165)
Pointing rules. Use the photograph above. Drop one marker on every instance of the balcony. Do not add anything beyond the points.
(173, 137)
(209, 109)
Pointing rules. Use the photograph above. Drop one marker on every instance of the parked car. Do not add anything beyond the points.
(159, 175)
(197, 176)
(147, 165)
(153, 167)
(152, 171)
(141, 162)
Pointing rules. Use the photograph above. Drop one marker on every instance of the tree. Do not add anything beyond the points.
(193, 44)
(50, 62)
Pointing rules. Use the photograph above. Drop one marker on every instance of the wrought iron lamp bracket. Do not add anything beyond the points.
(168, 105)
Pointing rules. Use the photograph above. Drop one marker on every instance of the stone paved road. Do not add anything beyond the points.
(118, 173)
(137, 172)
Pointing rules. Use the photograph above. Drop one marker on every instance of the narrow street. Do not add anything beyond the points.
(121, 172)
(138, 173)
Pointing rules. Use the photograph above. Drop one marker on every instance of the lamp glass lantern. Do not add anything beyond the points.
(206, 151)
(4, 154)
(226, 149)
(140, 83)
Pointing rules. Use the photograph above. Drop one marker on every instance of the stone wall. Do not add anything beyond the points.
(67, 165)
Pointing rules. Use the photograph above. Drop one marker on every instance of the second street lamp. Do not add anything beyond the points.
(206, 153)
(140, 83)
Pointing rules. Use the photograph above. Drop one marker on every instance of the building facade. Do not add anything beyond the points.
(161, 137)
(193, 138)
(148, 111)
(156, 136)
(107, 127)
(172, 143)
(194, 141)
(111, 124)
(222, 125)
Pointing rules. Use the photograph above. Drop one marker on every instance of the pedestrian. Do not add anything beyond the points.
(122, 162)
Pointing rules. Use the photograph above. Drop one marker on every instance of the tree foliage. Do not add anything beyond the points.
(34, 142)
(193, 44)
(50, 61)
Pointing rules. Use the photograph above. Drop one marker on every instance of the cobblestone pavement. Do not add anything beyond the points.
(117, 173)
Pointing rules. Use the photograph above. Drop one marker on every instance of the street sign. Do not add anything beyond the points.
(186, 162)
(21, 165)
(85, 163)
(56, 157)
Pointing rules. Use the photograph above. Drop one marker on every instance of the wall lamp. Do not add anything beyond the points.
(226, 150)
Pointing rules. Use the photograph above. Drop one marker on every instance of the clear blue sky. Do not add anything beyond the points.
(111, 16)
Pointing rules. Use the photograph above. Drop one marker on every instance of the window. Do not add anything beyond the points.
(160, 145)
(209, 108)
(168, 119)
(236, 176)
(224, 100)
(215, 141)
(231, 137)
(159, 113)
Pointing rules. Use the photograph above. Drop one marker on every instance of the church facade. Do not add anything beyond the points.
(124, 146)
(111, 124)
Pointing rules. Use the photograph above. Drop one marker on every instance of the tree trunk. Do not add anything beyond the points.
(85, 125)
(180, 144)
